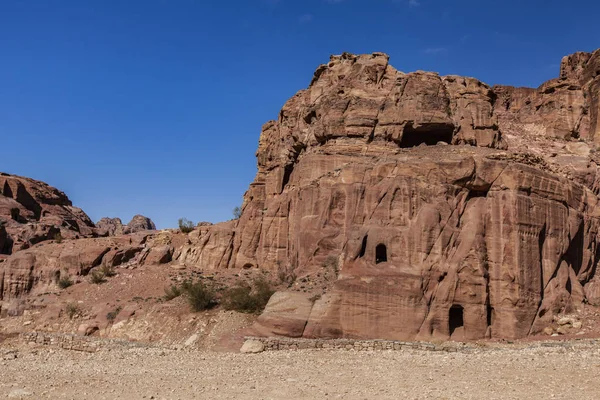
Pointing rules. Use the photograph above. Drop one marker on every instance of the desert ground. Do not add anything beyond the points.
(568, 371)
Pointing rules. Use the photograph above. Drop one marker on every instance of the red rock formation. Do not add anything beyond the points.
(430, 239)
(33, 211)
(114, 226)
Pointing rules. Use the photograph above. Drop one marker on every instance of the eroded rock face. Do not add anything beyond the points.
(451, 209)
(140, 223)
(110, 226)
(114, 226)
(39, 268)
(33, 211)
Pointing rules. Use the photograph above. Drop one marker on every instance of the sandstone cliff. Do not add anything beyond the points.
(447, 208)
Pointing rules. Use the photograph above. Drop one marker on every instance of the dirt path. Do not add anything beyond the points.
(141, 373)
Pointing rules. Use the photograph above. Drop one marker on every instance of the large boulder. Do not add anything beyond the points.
(286, 314)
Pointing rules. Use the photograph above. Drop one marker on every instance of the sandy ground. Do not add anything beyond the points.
(152, 373)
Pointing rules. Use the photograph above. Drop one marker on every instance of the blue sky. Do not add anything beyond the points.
(155, 106)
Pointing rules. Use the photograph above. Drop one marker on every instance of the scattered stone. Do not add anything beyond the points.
(252, 346)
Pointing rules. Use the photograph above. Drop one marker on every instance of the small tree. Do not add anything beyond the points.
(185, 225)
(237, 213)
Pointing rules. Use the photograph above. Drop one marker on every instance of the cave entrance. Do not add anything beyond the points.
(287, 174)
(430, 134)
(456, 321)
(380, 253)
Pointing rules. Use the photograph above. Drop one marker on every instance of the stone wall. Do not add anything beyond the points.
(76, 342)
(281, 343)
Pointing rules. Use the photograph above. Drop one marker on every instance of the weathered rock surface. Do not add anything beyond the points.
(140, 223)
(286, 314)
(110, 227)
(40, 268)
(33, 211)
(487, 237)
(114, 226)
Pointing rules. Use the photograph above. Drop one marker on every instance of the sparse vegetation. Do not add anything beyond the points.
(111, 316)
(172, 292)
(248, 299)
(108, 271)
(237, 212)
(185, 225)
(199, 296)
(65, 282)
(58, 237)
(72, 310)
(97, 277)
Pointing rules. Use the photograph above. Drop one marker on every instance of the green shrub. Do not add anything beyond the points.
(172, 292)
(97, 277)
(247, 299)
(58, 237)
(185, 225)
(72, 310)
(108, 271)
(199, 296)
(237, 213)
(65, 282)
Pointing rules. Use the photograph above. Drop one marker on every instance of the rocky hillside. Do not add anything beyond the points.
(386, 205)
(32, 211)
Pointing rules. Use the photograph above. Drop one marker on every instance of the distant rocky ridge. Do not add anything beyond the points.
(114, 226)
(31, 212)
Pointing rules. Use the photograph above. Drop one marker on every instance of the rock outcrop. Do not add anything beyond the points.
(447, 208)
(40, 268)
(114, 226)
(32, 211)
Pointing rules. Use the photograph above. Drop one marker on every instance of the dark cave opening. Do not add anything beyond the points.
(363, 248)
(455, 318)
(380, 253)
(287, 174)
(429, 134)
(490, 315)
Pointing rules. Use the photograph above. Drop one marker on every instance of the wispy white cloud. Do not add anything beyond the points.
(306, 18)
(435, 50)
